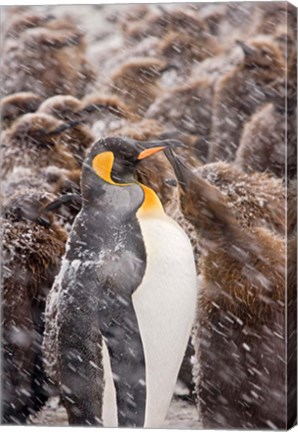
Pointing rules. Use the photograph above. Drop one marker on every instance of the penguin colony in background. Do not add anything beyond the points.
(174, 132)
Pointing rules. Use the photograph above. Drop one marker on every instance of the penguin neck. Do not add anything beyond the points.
(151, 205)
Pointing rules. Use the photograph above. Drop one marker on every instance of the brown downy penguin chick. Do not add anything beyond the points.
(136, 82)
(32, 247)
(153, 23)
(111, 56)
(64, 184)
(256, 199)
(35, 141)
(80, 68)
(272, 129)
(239, 19)
(70, 110)
(104, 112)
(241, 92)
(160, 22)
(276, 15)
(17, 104)
(97, 102)
(286, 40)
(266, 136)
(216, 67)
(46, 61)
(188, 108)
(63, 107)
(133, 18)
(183, 21)
(183, 49)
(239, 335)
(18, 23)
(213, 16)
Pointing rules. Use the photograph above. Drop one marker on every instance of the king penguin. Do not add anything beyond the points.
(125, 295)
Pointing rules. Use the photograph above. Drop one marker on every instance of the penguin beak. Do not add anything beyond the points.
(59, 129)
(150, 151)
(181, 171)
(248, 51)
(151, 147)
(169, 67)
(62, 200)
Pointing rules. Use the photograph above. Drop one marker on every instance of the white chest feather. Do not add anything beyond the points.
(165, 307)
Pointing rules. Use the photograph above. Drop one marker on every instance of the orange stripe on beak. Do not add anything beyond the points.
(150, 151)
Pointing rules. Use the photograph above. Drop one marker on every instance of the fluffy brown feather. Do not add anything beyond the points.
(240, 92)
(240, 313)
(32, 246)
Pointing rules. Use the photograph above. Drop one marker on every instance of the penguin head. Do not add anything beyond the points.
(22, 22)
(37, 130)
(262, 54)
(62, 107)
(113, 162)
(202, 203)
(194, 194)
(15, 105)
(138, 71)
(99, 106)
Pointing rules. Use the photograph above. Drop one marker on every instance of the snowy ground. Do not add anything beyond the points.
(181, 415)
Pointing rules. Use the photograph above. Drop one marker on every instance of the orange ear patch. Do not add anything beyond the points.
(103, 164)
